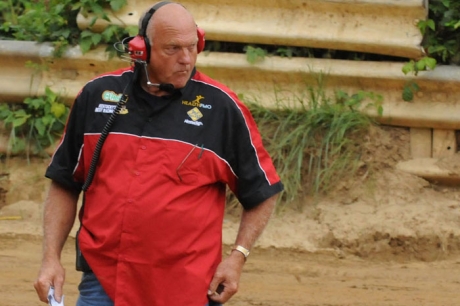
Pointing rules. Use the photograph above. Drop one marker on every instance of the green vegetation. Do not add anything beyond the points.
(35, 125)
(55, 21)
(316, 145)
(254, 54)
(441, 32)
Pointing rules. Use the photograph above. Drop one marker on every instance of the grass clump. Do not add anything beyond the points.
(317, 144)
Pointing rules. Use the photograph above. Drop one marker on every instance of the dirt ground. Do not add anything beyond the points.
(385, 237)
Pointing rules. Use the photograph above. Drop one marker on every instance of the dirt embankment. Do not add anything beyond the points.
(381, 212)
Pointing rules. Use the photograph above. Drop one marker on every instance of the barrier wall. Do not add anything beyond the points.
(380, 26)
(436, 105)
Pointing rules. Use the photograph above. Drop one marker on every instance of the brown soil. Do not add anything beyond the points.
(385, 237)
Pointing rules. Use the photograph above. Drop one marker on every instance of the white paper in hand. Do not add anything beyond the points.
(51, 299)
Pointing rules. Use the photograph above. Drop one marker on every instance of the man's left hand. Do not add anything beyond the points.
(225, 282)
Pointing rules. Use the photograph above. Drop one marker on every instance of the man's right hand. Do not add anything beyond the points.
(58, 218)
(50, 274)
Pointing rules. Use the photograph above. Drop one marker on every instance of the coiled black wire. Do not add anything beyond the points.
(100, 142)
(102, 138)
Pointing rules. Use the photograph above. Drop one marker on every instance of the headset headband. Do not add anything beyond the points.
(139, 46)
(148, 16)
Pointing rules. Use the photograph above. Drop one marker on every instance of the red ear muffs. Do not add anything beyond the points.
(201, 39)
(137, 49)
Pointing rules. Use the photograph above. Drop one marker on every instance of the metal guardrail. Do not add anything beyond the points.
(371, 26)
(436, 105)
(65, 75)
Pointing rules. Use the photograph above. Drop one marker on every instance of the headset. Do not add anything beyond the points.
(139, 46)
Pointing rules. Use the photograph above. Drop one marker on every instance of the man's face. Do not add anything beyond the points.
(173, 54)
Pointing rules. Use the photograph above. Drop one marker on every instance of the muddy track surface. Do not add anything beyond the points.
(271, 277)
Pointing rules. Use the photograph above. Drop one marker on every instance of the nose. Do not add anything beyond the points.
(186, 56)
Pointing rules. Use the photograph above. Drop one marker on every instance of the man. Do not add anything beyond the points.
(151, 226)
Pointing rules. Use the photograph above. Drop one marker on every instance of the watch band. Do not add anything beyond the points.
(242, 250)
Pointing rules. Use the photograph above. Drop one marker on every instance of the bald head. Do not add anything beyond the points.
(169, 16)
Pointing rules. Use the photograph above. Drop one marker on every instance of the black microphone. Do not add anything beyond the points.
(168, 87)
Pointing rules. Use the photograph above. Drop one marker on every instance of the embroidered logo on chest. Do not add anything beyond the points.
(195, 115)
(110, 96)
(197, 103)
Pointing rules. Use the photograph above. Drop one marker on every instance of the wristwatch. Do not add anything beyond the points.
(242, 250)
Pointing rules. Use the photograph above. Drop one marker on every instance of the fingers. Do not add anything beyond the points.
(42, 287)
(212, 293)
(47, 277)
(222, 288)
(226, 279)
(216, 286)
(222, 294)
(58, 291)
(42, 290)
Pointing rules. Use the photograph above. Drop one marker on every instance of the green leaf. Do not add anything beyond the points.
(65, 33)
(424, 24)
(407, 94)
(132, 30)
(408, 67)
(58, 109)
(116, 5)
(52, 96)
(19, 121)
(430, 62)
(108, 33)
(58, 8)
(255, 54)
(85, 44)
(40, 127)
(414, 87)
(457, 25)
(48, 119)
(34, 103)
(96, 38)
(93, 21)
(430, 23)
(97, 9)
(420, 65)
(85, 34)
(76, 6)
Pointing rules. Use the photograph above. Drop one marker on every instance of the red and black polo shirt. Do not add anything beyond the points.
(152, 222)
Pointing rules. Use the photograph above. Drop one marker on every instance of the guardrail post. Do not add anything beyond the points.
(444, 143)
(421, 142)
